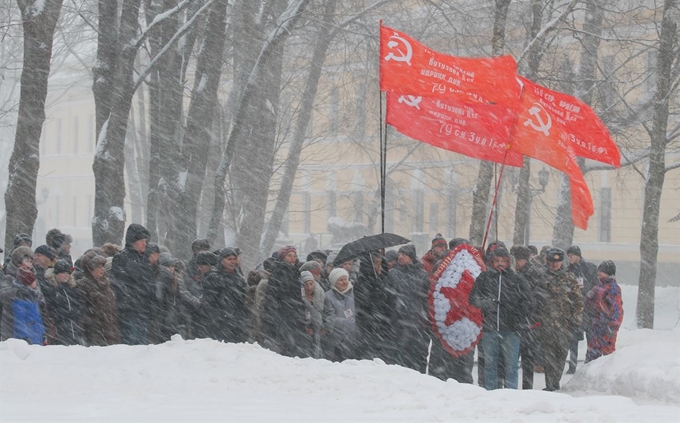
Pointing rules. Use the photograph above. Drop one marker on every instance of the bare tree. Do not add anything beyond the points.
(39, 21)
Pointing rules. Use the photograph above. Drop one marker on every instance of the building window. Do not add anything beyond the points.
(605, 214)
(333, 117)
(58, 130)
(331, 204)
(75, 134)
(434, 217)
(358, 200)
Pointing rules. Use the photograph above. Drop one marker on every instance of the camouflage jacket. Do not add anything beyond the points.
(562, 308)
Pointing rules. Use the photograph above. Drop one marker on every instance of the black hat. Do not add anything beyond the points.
(391, 255)
(202, 244)
(554, 254)
(46, 251)
(499, 252)
(456, 242)
(22, 238)
(575, 250)
(152, 248)
(410, 251)
(55, 238)
(520, 252)
(320, 254)
(62, 266)
(533, 249)
(135, 232)
(206, 257)
(607, 267)
(226, 252)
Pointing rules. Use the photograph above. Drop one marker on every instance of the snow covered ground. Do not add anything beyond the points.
(205, 380)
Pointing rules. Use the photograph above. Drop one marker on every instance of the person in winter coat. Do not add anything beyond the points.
(340, 344)
(283, 306)
(21, 317)
(502, 296)
(320, 314)
(586, 276)
(375, 308)
(63, 304)
(20, 240)
(224, 293)
(205, 262)
(410, 283)
(560, 316)
(435, 254)
(21, 257)
(134, 282)
(260, 330)
(61, 244)
(172, 296)
(100, 324)
(606, 315)
(252, 282)
(198, 246)
(530, 348)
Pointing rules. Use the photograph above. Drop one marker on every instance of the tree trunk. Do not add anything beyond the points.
(247, 103)
(197, 136)
(323, 41)
(108, 222)
(523, 206)
(38, 32)
(134, 183)
(649, 235)
(480, 198)
(563, 230)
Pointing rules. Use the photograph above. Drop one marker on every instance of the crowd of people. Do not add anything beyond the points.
(536, 306)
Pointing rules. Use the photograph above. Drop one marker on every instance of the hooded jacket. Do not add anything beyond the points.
(505, 299)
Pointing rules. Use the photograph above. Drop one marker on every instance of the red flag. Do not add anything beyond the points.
(586, 133)
(538, 134)
(408, 67)
(475, 130)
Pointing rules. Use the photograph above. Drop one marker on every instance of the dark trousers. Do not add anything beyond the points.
(554, 354)
(528, 350)
(444, 366)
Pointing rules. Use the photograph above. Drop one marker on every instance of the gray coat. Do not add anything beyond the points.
(345, 329)
(321, 317)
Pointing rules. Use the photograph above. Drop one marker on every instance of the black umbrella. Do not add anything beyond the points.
(368, 243)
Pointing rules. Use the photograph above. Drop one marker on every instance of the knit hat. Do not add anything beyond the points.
(554, 254)
(608, 267)
(25, 276)
(46, 251)
(19, 253)
(285, 250)
(198, 245)
(206, 257)
(391, 255)
(499, 252)
(55, 238)
(226, 252)
(575, 250)
(336, 274)
(311, 266)
(166, 260)
(62, 266)
(320, 254)
(135, 232)
(439, 240)
(307, 276)
(410, 251)
(22, 238)
(456, 242)
(153, 248)
(520, 252)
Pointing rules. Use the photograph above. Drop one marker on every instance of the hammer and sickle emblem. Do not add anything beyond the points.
(411, 100)
(540, 126)
(402, 57)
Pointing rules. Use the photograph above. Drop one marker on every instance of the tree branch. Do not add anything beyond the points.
(549, 27)
(137, 43)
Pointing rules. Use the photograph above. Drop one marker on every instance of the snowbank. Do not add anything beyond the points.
(206, 380)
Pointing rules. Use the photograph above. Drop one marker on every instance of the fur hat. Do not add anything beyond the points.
(439, 240)
(336, 274)
(554, 254)
(92, 260)
(285, 250)
(152, 248)
(110, 250)
(226, 252)
(575, 250)
(307, 276)
(311, 266)
(55, 238)
(62, 266)
(22, 238)
(206, 257)
(19, 253)
(166, 260)
(199, 245)
(25, 276)
(46, 251)
(320, 254)
(410, 251)
(608, 267)
(520, 252)
(456, 242)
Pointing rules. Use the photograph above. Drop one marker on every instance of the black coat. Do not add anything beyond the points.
(507, 311)
(375, 306)
(174, 301)
(224, 299)
(65, 309)
(133, 281)
(285, 310)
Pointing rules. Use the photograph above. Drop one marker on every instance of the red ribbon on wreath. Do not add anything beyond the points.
(458, 324)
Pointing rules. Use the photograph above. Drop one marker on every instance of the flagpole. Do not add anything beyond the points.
(495, 198)
(383, 164)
